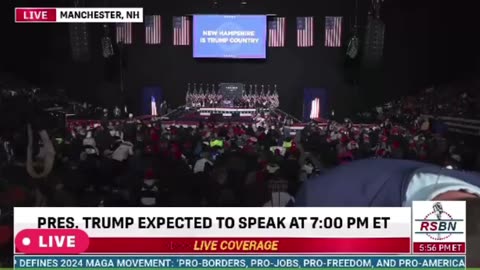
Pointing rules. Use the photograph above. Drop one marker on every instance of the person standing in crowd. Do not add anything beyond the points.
(123, 151)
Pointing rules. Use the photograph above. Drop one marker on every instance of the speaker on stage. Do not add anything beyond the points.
(151, 94)
(79, 42)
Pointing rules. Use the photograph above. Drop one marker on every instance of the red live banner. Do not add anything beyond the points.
(75, 241)
(251, 245)
(35, 15)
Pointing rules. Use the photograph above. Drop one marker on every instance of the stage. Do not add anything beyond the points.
(193, 117)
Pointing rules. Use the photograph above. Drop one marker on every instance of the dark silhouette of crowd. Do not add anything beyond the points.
(146, 162)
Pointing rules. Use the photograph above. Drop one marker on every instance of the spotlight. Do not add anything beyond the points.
(243, 2)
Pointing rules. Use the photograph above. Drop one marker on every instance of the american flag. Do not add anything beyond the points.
(333, 31)
(305, 31)
(181, 30)
(153, 29)
(124, 33)
(315, 109)
(276, 32)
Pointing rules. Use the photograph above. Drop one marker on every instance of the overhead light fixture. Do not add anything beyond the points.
(243, 2)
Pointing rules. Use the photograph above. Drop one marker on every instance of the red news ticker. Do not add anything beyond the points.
(26, 15)
(445, 248)
(250, 245)
(75, 241)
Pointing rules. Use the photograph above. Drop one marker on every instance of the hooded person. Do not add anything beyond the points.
(149, 191)
(278, 194)
(89, 151)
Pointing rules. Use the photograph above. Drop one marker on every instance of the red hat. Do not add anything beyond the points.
(149, 174)
(148, 149)
(6, 235)
(395, 131)
(396, 145)
(175, 147)
(347, 155)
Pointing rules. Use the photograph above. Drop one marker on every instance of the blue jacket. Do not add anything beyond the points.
(370, 182)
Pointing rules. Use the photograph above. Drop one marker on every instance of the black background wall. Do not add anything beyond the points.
(426, 42)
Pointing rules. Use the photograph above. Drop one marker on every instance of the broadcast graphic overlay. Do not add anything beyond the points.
(78, 15)
(229, 36)
(439, 227)
(222, 238)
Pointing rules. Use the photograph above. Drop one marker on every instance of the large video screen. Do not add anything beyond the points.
(229, 36)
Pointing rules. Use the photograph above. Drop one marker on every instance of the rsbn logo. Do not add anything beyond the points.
(439, 224)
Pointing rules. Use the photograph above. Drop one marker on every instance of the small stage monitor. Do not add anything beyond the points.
(229, 36)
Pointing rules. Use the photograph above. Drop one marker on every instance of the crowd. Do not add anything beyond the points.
(148, 163)
(459, 99)
(268, 100)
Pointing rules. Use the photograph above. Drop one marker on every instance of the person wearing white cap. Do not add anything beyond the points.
(89, 140)
(123, 151)
(201, 163)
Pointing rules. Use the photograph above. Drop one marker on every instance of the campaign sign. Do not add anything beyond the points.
(229, 36)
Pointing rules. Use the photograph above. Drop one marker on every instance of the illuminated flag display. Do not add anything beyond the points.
(276, 32)
(181, 31)
(333, 31)
(124, 33)
(154, 106)
(153, 29)
(315, 111)
(305, 31)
